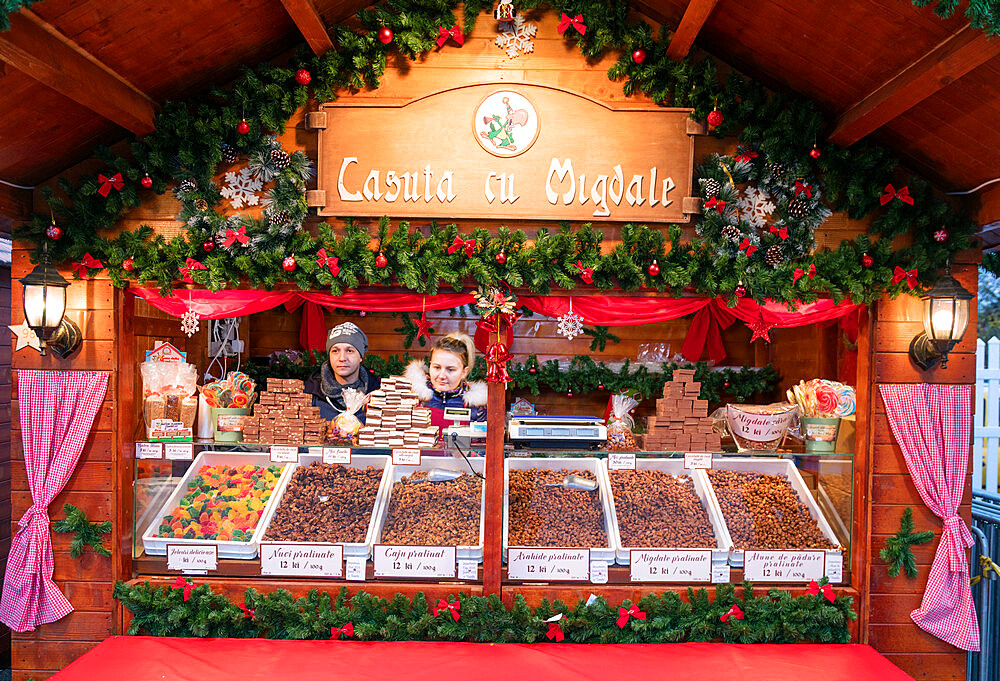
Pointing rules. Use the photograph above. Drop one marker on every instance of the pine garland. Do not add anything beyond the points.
(8, 7)
(85, 532)
(186, 609)
(897, 551)
(982, 14)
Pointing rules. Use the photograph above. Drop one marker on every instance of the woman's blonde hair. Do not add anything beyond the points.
(459, 344)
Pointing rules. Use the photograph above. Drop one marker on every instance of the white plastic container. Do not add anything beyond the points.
(157, 546)
(597, 553)
(363, 549)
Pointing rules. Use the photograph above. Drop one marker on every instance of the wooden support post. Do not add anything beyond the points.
(493, 516)
(694, 18)
(310, 24)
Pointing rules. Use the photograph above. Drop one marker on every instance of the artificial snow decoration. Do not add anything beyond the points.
(241, 188)
(755, 206)
(570, 325)
(189, 323)
(516, 36)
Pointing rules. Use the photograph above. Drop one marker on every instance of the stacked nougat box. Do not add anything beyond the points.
(681, 423)
(394, 418)
(284, 415)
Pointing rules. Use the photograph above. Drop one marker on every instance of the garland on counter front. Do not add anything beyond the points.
(187, 609)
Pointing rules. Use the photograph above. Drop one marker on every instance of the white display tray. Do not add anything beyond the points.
(426, 464)
(720, 555)
(769, 466)
(363, 549)
(157, 546)
(597, 553)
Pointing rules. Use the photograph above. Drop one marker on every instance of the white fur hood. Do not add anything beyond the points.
(415, 373)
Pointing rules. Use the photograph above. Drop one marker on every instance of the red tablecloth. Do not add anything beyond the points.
(140, 658)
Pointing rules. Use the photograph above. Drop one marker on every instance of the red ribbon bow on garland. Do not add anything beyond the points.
(346, 630)
(799, 272)
(555, 633)
(783, 232)
(748, 247)
(586, 273)
(576, 22)
(247, 612)
(455, 33)
(445, 605)
(82, 267)
(624, 614)
(714, 202)
(745, 155)
(182, 583)
(734, 611)
(801, 187)
(190, 265)
(107, 183)
(237, 235)
(903, 194)
(815, 589)
(324, 261)
(469, 246)
(899, 274)
(497, 357)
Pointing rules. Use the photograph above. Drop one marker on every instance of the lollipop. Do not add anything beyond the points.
(826, 399)
(846, 401)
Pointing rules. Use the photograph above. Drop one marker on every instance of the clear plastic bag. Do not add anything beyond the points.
(346, 425)
(621, 423)
(168, 390)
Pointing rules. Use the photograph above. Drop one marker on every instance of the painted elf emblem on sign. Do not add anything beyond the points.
(506, 124)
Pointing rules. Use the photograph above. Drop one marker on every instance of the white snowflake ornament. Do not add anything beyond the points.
(241, 188)
(570, 324)
(515, 36)
(755, 206)
(189, 323)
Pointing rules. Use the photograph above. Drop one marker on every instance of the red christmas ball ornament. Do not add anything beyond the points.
(54, 232)
(941, 235)
(654, 269)
(532, 370)
(385, 35)
(381, 261)
(867, 261)
(726, 384)
(639, 56)
(600, 386)
(288, 263)
(740, 291)
(208, 246)
(569, 394)
(302, 77)
(146, 181)
(715, 118)
(362, 313)
(501, 257)
(815, 152)
(128, 264)
(243, 127)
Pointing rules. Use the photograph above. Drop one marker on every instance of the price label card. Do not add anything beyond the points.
(301, 560)
(720, 574)
(178, 451)
(356, 569)
(468, 569)
(149, 450)
(414, 561)
(333, 455)
(195, 559)
(315, 451)
(783, 566)
(540, 564)
(284, 454)
(835, 567)
(405, 457)
(671, 566)
(598, 572)
(697, 460)
(618, 461)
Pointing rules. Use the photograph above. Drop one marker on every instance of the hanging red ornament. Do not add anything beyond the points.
(128, 264)
(814, 152)
(146, 181)
(867, 260)
(243, 127)
(569, 394)
(385, 35)
(726, 384)
(715, 118)
(288, 263)
(941, 235)
(54, 232)
(532, 370)
(208, 246)
(600, 386)
(740, 291)
(654, 269)
(639, 56)
(381, 261)
(302, 77)
(501, 257)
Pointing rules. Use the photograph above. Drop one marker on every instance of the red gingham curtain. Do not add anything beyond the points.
(932, 424)
(57, 411)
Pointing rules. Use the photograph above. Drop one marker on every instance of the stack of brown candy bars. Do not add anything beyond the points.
(394, 418)
(284, 415)
(681, 423)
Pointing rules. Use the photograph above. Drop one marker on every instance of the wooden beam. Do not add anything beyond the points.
(694, 18)
(310, 24)
(946, 63)
(15, 203)
(39, 50)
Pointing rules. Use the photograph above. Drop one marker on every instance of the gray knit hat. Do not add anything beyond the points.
(347, 333)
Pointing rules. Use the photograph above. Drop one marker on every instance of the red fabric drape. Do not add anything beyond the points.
(312, 332)
(214, 304)
(615, 310)
(705, 333)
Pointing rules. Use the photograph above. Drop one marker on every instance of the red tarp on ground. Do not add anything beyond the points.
(141, 658)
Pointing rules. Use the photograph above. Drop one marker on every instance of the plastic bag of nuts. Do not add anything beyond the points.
(539, 515)
(621, 423)
(657, 509)
(434, 513)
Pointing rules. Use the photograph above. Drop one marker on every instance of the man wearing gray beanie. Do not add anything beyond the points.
(346, 346)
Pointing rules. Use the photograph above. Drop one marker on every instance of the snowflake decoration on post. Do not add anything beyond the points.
(570, 325)
(516, 36)
(241, 188)
(189, 323)
(755, 206)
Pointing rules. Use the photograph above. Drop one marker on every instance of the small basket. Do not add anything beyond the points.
(227, 424)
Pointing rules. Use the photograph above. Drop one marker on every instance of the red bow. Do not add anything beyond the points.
(783, 232)
(899, 274)
(586, 273)
(716, 204)
(891, 193)
(800, 187)
(445, 605)
(576, 22)
(247, 612)
(469, 246)
(107, 183)
(455, 33)
(346, 630)
(745, 156)
(182, 583)
(238, 235)
(324, 261)
(82, 267)
(748, 247)
(826, 589)
(797, 274)
(734, 611)
(554, 632)
(497, 357)
(624, 614)
(191, 264)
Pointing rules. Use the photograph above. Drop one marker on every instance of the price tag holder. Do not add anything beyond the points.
(301, 560)
(341, 455)
(783, 566)
(284, 454)
(149, 450)
(414, 561)
(405, 457)
(670, 566)
(835, 567)
(468, 569)
(356, 568)
(598, 572)
(619, 461)
(720, 574)
(697, 460)
(195, 560)
(178, 451)
(542, 564)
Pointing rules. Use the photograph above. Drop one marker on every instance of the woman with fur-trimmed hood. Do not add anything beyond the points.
(451, 360)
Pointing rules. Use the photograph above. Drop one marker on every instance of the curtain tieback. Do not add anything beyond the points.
(956, 534)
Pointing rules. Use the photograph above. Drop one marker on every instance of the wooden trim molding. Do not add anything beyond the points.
(694, 18)
(310, 24)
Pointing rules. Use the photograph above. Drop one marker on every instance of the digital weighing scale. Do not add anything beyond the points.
(557, 432)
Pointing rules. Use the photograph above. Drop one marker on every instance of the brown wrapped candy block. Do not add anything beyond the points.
(657, 509)
(684, 374)
(434, 513)
(553, 516)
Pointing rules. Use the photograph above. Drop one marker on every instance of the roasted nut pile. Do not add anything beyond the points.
(656, 508)
(553, 516)
(326, 503)
(764, 512)
(434, 513)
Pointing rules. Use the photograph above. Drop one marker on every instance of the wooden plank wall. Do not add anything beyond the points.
(5, 389)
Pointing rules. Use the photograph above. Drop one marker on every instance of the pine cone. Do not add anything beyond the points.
(229, 153)
(798, 208)
(188, 185)
(731, 233)
(280, 158)
(774, 255)
(711, 187)
(280, 217)
(775, 168)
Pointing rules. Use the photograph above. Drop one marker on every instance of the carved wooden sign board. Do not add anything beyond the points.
(498, 151)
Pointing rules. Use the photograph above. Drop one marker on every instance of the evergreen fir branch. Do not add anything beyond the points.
(601, 335)
(85, 532)
(897, 552)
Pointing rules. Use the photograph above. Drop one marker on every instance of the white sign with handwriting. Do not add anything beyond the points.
(414, 561)
(783, 566)
(543, 564)
(301, 560)
(671, 566)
